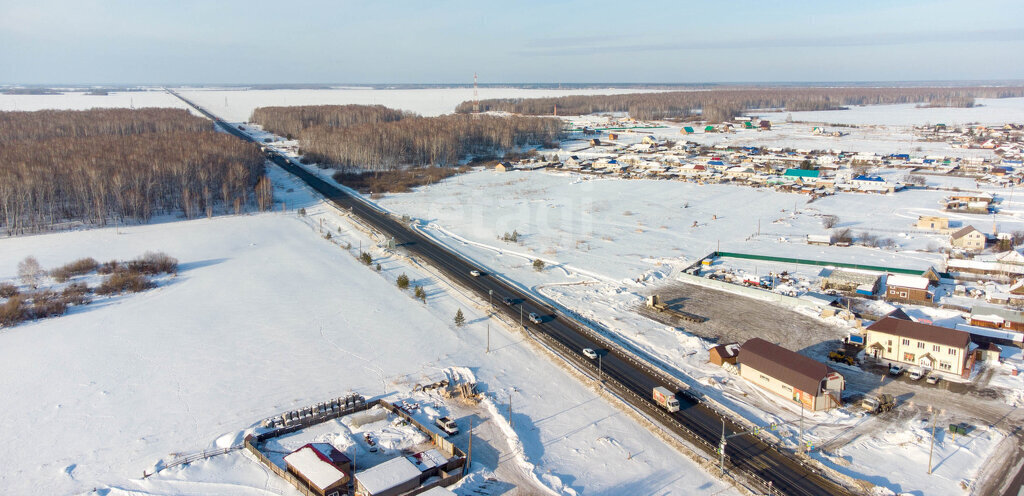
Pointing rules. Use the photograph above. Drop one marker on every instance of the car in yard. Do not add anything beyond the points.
(534, 318)
(915, 374)
(447, 425)
(590, 353)
(932, 379)
(508, 301)
(895, 370)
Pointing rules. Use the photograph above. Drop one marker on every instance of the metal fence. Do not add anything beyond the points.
(820, 263)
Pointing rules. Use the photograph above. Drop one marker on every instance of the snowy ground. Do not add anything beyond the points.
(79, 100)
(608, 243)
(266, 316)
(234, 105)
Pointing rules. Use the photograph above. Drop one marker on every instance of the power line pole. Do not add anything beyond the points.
(488, 336)
(721, 449)
(469, 456)
(510, 408)
(931, 448)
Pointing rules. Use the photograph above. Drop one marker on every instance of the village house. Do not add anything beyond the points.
(907, 288)
(968, 238)
(994, 317)
(789, 374)
(933, 223)
(969, 202)
(895, 341)
(724, 353)
(504, 167)
(322, 467)
(863, 282)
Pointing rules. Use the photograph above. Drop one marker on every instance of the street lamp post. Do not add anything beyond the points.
(721, 449)
(490, 293)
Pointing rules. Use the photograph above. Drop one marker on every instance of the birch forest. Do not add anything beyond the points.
(376, 138)
(722, 104)
(98, 166)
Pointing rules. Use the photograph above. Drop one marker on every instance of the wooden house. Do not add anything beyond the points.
(907, 288)
(724, 353)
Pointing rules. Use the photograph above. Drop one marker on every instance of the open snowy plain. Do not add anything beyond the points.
(264, 316)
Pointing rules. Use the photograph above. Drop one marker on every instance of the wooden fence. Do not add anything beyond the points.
(450, 473)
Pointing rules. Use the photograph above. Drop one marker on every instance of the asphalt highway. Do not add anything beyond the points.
(622, 373)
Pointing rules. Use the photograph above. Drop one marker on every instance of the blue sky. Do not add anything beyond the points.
(256, 41)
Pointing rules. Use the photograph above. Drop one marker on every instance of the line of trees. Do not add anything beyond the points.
(96, 166)
(377, 138)
(290, 121)
(18, 126)
(717, 105)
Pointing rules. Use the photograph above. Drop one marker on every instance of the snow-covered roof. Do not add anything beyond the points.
(313, 465)
(437, 491)
(428, 459)
(387, 475)
(907, 281)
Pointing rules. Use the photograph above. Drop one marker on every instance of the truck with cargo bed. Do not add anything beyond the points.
(665, 399)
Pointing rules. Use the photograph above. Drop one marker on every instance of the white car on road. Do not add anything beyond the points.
(590, 353)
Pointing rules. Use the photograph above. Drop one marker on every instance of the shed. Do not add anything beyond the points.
(321, 466)
(687, 130)
(504, 167)
(765, 125)
(709, 129)
(391, 478)
(789, 374)
(724, 353)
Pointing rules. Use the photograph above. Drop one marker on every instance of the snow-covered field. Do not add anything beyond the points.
(607, 243)
(987, 111)
(79, 100)
(235, 105)
(263, 317)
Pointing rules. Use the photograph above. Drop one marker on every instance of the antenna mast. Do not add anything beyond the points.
(476, 97)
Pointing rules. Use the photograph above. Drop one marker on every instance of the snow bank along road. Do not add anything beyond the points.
(633, 381)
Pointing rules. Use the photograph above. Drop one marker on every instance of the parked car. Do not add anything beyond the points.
(535, 318)
(447, 425)
(508, 301)
(589, 353)
(474, 273)
(915, 374)
(895, 370)
(932, 379)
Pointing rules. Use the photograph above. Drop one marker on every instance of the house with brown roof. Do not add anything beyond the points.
(895, 341)
(724, 353)
(791, 375)
(968, 238)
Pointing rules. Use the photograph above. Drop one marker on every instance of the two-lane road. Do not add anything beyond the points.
(695, 420)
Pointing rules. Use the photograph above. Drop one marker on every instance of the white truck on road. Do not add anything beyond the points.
(664, 398)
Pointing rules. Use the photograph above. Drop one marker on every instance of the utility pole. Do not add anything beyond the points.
(510, 408)
(490, 294)
(931, 448)
(469, 456)
(488, 336)
(721, 449)
(520, 315)
(802, 421)
(600, 370)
